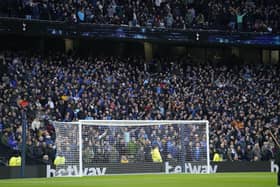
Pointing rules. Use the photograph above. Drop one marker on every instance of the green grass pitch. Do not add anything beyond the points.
(151, 180)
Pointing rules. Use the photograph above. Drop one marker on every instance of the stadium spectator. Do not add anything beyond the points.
(197, 152)
(15, 160)
(241, 103)
(46, 160)
(241, 15)
(60, 160)
(217, 157)
(124, 159)
(140, 156)
(156, 154)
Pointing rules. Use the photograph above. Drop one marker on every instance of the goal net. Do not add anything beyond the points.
(99, 147)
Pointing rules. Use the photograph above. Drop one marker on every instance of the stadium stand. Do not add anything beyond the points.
(240, 101)
(241, 15)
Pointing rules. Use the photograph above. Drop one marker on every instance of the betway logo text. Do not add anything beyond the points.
(274, 167)
(190, 168)
(73, 171)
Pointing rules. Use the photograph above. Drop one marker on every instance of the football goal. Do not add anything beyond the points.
(99, 147)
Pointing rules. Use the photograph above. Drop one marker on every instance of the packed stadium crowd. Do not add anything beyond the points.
(241, 15)
(241, 103)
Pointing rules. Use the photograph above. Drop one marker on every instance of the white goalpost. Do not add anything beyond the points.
(99, 147)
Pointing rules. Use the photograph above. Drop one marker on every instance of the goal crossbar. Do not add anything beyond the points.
(139, 122)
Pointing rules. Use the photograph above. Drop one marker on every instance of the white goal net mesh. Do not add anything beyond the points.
(99, 147)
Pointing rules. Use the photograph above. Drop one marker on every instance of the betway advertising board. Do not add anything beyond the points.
(190, 168)
(36, 171)
(167, 167)
(73, 170)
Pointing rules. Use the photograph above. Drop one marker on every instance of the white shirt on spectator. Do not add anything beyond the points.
(158, 2)
(36, 124)
(51, 104)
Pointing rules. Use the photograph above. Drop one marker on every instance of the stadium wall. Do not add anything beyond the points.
(107, 169)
